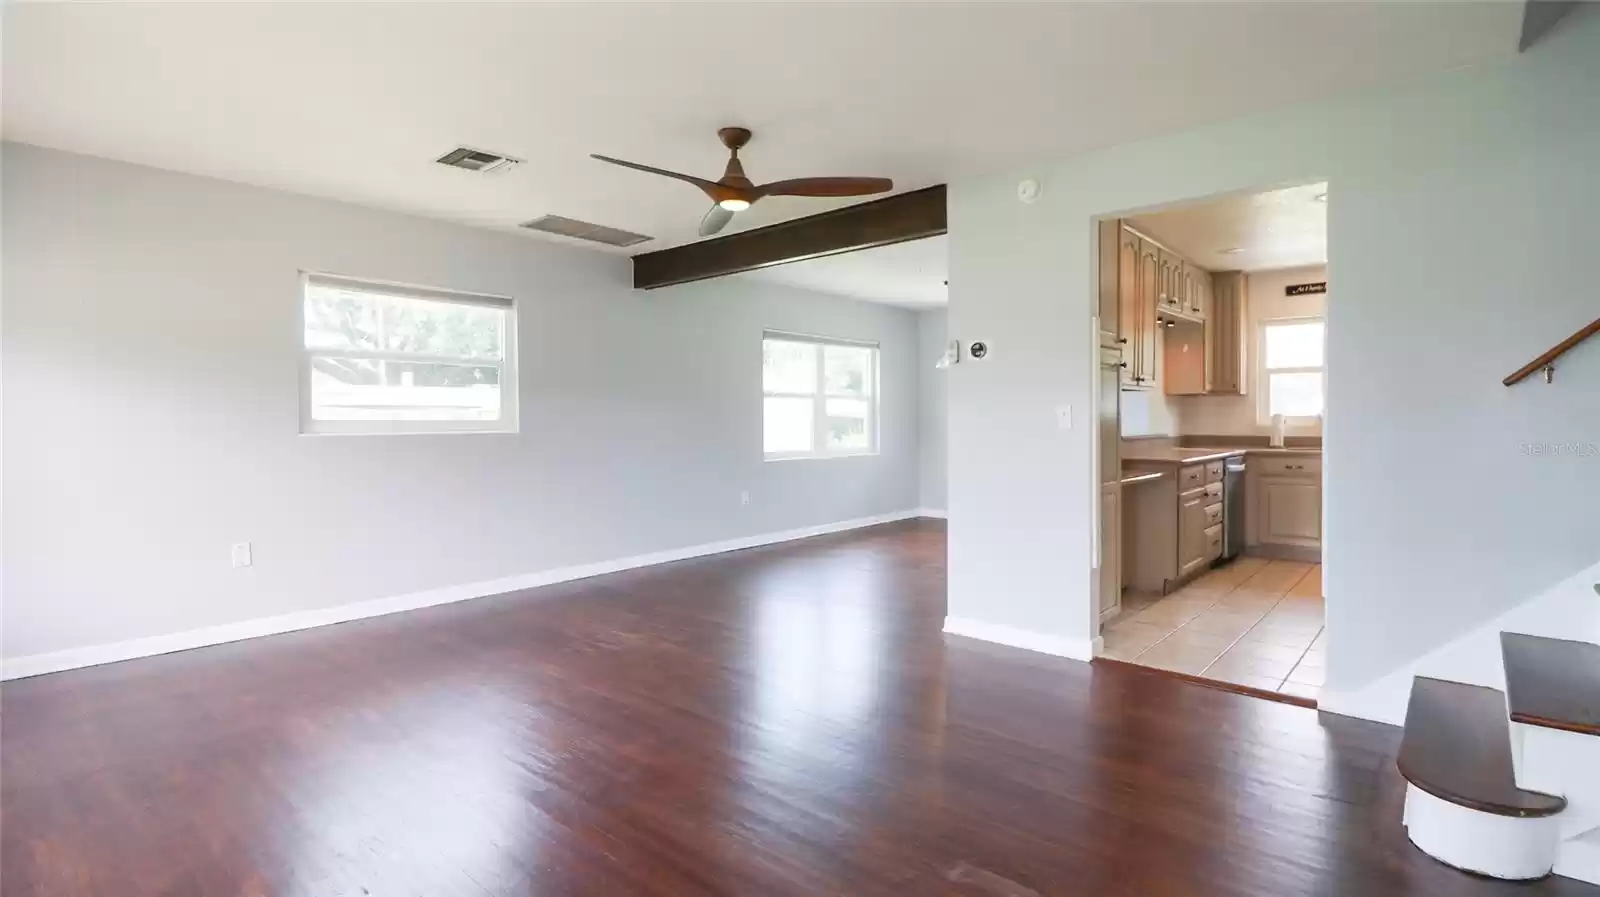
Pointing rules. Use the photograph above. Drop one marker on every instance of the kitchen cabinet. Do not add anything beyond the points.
(1290, 511)
(1170, 268)
(1129, 279)
(1144, 287)
(1227, 334)
(1288, 502)
(1199, 292)
(1110, 550)
(1191, 532)
(1110, 306)
(1174, 526)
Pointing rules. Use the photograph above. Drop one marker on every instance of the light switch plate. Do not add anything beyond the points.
(1063, 417)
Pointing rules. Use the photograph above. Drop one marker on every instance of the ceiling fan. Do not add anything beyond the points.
(734, 192)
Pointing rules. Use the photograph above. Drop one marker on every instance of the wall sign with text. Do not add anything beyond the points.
(1305, 289)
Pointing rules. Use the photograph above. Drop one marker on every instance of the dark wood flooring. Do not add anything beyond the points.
(780, 721)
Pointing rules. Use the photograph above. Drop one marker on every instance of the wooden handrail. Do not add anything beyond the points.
(1548, 358)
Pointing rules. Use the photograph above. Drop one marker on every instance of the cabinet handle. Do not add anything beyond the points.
(1123, 341)
(1123, 365)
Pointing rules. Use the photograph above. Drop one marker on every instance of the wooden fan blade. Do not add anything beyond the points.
(715, 220)
(712, 188)
(824, 187)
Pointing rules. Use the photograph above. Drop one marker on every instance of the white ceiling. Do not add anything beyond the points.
(910, 274)
(354, 100)
(1276, 229)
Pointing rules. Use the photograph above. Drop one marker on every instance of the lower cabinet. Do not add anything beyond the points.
(1110, 550)
(1191, 531)
(1290, 511)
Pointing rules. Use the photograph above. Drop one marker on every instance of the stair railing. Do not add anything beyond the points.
(1547, 361)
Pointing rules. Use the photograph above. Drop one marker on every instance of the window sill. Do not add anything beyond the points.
(832, 456)
(321, 433)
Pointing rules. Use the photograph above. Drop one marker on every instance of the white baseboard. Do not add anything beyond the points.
(93, 655)
(1059, 646)
(936, 513)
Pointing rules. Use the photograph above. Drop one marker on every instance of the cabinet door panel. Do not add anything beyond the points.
(1131, 322)
(1191, 531)
(1291, 511)
(1110, 550)
(1149, 289)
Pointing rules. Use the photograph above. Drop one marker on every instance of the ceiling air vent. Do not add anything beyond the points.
(476, 160)
(583, 230)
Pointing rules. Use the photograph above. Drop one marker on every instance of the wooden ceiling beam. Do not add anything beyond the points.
(893, 219)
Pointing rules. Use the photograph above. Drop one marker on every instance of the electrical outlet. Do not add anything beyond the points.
(241, 554)
(744, 498)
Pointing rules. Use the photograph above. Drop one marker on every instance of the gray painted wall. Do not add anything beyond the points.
(1461, 231)
(150, 369)
(933, 336)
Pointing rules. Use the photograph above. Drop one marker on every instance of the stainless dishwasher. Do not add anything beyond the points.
(1233, 499)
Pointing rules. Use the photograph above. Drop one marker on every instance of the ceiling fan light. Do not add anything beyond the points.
(734, 204)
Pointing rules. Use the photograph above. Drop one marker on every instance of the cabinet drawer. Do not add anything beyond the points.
(1213, 514)
(1213, 471)
(1213, 492)
(1191, 477)
(1288, 465)
(1213, 542)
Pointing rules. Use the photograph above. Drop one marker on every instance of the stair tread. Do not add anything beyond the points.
(1552, 682)
(1457, 747)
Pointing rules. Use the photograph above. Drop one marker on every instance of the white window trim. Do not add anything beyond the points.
(1264, 381)
(819, 417)
(508, 423)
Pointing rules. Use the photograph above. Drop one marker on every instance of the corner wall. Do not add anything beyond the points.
(1461, 232)
(151, 357)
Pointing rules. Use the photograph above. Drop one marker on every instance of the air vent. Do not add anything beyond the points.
(583, 230)
(476, 160)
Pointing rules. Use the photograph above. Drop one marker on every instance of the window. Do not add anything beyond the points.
(1291, 368)
(385, 358)
(820, 397)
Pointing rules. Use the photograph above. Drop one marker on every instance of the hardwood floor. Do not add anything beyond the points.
(780, 721)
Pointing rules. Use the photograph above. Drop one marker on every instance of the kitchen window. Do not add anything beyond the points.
(1292, 379)
(390, 358)
(819, 397)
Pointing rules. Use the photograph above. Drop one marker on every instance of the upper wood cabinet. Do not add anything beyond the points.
(1110, 305)
(1142, 286)
(1199, 291)
(1170, 281)
(1148, 293)
(1227, 333)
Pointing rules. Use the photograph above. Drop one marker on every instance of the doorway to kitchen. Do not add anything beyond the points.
(1212, 379)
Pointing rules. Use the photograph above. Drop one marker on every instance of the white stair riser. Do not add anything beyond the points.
(1562, 763)
(1580, 858)
(1497, 846)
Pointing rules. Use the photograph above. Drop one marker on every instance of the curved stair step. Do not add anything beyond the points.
(1457, 747)
(1552, 682)
(1463, 806)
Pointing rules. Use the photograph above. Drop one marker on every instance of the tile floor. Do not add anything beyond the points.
(1254, 622)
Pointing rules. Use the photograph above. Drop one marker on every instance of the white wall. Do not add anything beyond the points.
(150, 364)
(1236, 415)
(933, 337)
(1461, 232)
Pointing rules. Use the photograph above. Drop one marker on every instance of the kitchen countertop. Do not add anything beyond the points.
(1201, 454)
